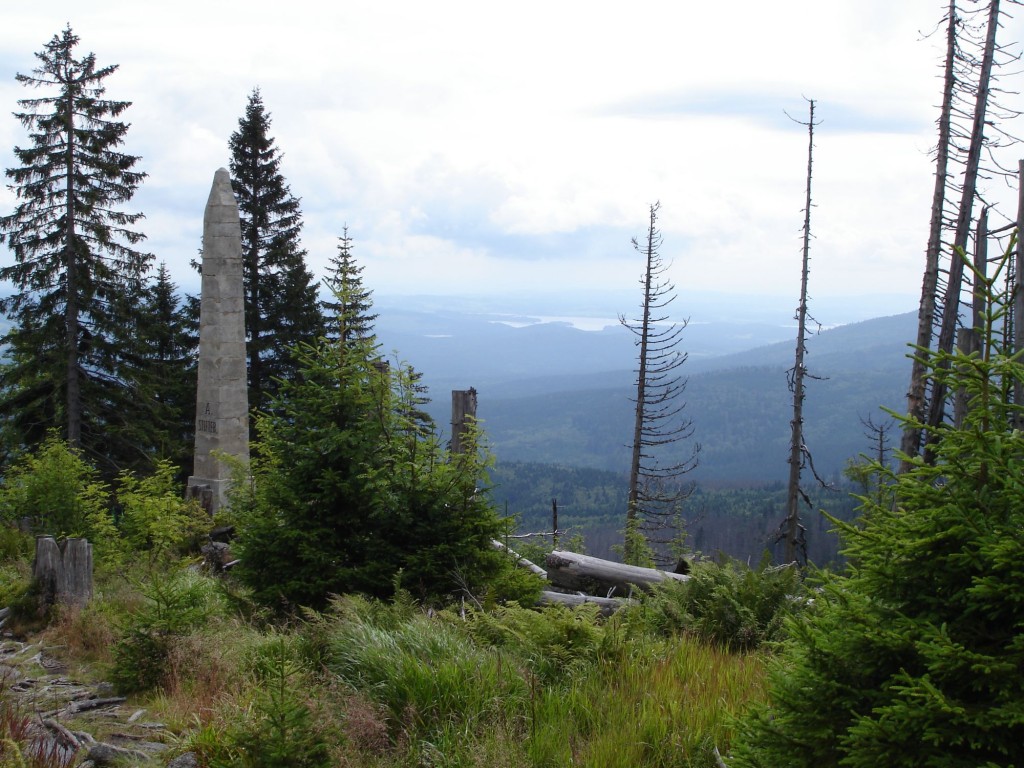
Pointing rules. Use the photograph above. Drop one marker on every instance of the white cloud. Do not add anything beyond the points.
(477, 147)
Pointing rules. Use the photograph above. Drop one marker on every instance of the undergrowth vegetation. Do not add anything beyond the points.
(391, 684)
(466, 673)
(373, 683)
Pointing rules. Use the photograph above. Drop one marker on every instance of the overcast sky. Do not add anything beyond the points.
(485, 148)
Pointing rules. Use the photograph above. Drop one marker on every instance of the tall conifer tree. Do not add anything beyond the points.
(350, 310)
(76, 272)
(169, 340)
(281, 306)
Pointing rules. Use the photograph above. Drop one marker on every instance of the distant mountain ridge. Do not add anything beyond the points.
(552, 393)
(739, 402)
(457, 350)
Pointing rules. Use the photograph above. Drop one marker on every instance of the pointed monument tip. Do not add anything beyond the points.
(221, 192)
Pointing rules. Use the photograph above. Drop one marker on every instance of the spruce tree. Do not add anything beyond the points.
(353, 490)
(349, 317)
(350, 309)
(281, 306)
(914, 656)
(169, 340)
(77, 275)
(350, 493)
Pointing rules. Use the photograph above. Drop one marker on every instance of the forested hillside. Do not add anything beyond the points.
(569, 444)
(742, 523)
(738, 403)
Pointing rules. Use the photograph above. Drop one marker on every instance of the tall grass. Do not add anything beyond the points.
(670, 712)
(457, 690)
(433, 680)
(22, 743)
(371, 684)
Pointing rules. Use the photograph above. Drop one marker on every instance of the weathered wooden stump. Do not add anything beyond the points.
(203, 494)
(62, 572)
(463, 415)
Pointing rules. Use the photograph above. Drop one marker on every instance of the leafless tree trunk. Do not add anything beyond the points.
(969, 339)
(569, 570)
(633, 500)
(951, 303)
(655, 487)
(796, 546)
(1018, 291)
(970, 62)
(911, 442)
(463, 415)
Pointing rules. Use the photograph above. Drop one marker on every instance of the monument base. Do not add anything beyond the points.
(211, 494)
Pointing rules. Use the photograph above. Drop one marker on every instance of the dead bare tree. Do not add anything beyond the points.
(969, 339)
(972, 56)
(929, 287)
(872, 471)
(878, 434)
(951, 303)
(793, 531)
(1016, 329)
(656, 488)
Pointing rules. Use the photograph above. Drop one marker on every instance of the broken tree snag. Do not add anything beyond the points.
(203, 494)
(463, 415)
(583, 573)
(62, 572)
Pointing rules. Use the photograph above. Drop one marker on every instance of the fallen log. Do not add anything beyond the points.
(76, 707)
(607, 605)
(66, 737)
(582, 573)
(521, 561)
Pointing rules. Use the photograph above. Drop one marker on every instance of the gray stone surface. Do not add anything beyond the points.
(107, 754)
(222, 400)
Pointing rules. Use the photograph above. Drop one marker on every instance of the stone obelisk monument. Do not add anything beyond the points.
(222, 400)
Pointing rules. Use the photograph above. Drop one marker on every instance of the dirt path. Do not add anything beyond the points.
(78, 721)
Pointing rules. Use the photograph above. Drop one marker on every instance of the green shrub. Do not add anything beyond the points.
(352, 488)
(728, 604)
(15, 579)
(15, 545)
(155, 518)
(174, 605)
(15, 571)
(60, 494)
(276, 730)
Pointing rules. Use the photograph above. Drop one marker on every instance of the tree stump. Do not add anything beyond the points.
(463, 414)
(62, 572)
(203, 494)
